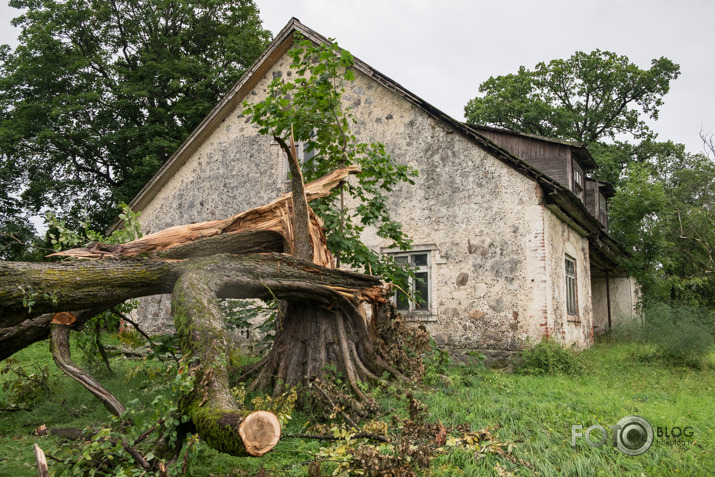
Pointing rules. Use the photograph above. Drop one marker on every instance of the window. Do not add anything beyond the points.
(577, 182)
(303, 157)
(571, 289)
(419, 286)
(602, 210)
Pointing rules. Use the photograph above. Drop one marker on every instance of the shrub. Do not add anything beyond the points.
(547, 357)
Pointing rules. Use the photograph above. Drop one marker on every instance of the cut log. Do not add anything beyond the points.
(260, 432)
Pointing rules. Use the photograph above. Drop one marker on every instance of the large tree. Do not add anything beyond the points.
(99, 93)
(587, 97)
(308, 107)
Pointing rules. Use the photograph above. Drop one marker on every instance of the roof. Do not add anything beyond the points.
(557, 196)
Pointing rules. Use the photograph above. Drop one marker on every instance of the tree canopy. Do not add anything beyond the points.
(309, 107)
(585, 98)
(100, 93)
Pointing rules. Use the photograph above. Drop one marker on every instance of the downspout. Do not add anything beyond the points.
(608, 301)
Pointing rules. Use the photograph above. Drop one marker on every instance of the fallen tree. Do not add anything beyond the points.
(322, 324)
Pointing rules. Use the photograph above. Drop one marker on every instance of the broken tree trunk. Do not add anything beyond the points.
(322, 325)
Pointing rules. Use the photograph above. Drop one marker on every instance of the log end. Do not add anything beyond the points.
(260, 432)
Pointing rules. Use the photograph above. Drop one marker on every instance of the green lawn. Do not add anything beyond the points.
(533, 413)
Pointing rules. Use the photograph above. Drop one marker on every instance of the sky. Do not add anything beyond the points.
(443, 50)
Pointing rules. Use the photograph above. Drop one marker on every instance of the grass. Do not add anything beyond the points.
(534, 413)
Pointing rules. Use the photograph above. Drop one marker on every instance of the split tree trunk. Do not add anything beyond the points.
(321, 327)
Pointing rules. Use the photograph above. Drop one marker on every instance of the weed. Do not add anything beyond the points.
(548, 357)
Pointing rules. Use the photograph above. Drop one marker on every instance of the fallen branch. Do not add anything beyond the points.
(61, 355)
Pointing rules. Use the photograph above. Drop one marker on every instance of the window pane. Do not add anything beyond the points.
(419, 260)
(422, 290)
(401, 301)
(401, 260)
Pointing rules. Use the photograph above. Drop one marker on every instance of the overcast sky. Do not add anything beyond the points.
(442, 50)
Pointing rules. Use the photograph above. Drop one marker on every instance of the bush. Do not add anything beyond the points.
(548, 357)
(681, 335)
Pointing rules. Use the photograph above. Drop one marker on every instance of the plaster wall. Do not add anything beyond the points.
(624, 299)
(562, 241)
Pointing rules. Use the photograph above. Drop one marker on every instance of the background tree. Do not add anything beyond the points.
(99, 93)
(585, 98)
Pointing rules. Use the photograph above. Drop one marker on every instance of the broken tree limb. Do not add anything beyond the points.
(100, 284)
(205, 344)
(273, 217)
(42, 470)
(62, 357)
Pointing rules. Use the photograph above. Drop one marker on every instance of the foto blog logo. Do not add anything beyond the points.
(633, 435)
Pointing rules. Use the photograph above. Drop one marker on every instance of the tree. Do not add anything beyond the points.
(586, 98)
(200, 264)
(663, 213)
(308, 108)
(99, 93)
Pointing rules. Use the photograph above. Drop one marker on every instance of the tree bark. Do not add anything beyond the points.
(205, 345)
(101, 284)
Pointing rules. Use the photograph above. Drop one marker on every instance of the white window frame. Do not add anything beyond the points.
(424, 270)
(571, 280)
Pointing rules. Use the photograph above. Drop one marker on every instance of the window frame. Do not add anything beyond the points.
(412, 307)
(571, 282)
(578, 179)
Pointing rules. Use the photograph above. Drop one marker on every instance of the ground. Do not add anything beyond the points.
(532, 413)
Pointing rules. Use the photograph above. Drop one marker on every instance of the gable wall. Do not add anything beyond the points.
(483, 222)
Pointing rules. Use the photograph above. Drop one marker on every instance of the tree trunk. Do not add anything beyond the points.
(322, 325)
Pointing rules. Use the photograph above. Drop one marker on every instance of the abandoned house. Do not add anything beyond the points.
(510, 236)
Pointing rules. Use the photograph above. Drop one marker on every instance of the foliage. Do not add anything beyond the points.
(310, 105)
(676, 334)
(106, 449)
(26, 385)
(548, 357)
(663, 215)
(99, 93)
(587, 97)
(242, 314)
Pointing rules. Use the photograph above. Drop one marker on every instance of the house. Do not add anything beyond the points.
(505, 226)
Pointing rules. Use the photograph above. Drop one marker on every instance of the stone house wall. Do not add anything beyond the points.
(495, 251)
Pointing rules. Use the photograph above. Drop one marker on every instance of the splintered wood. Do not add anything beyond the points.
(273, 217)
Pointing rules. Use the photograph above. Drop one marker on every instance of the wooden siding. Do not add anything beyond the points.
(550, 158)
